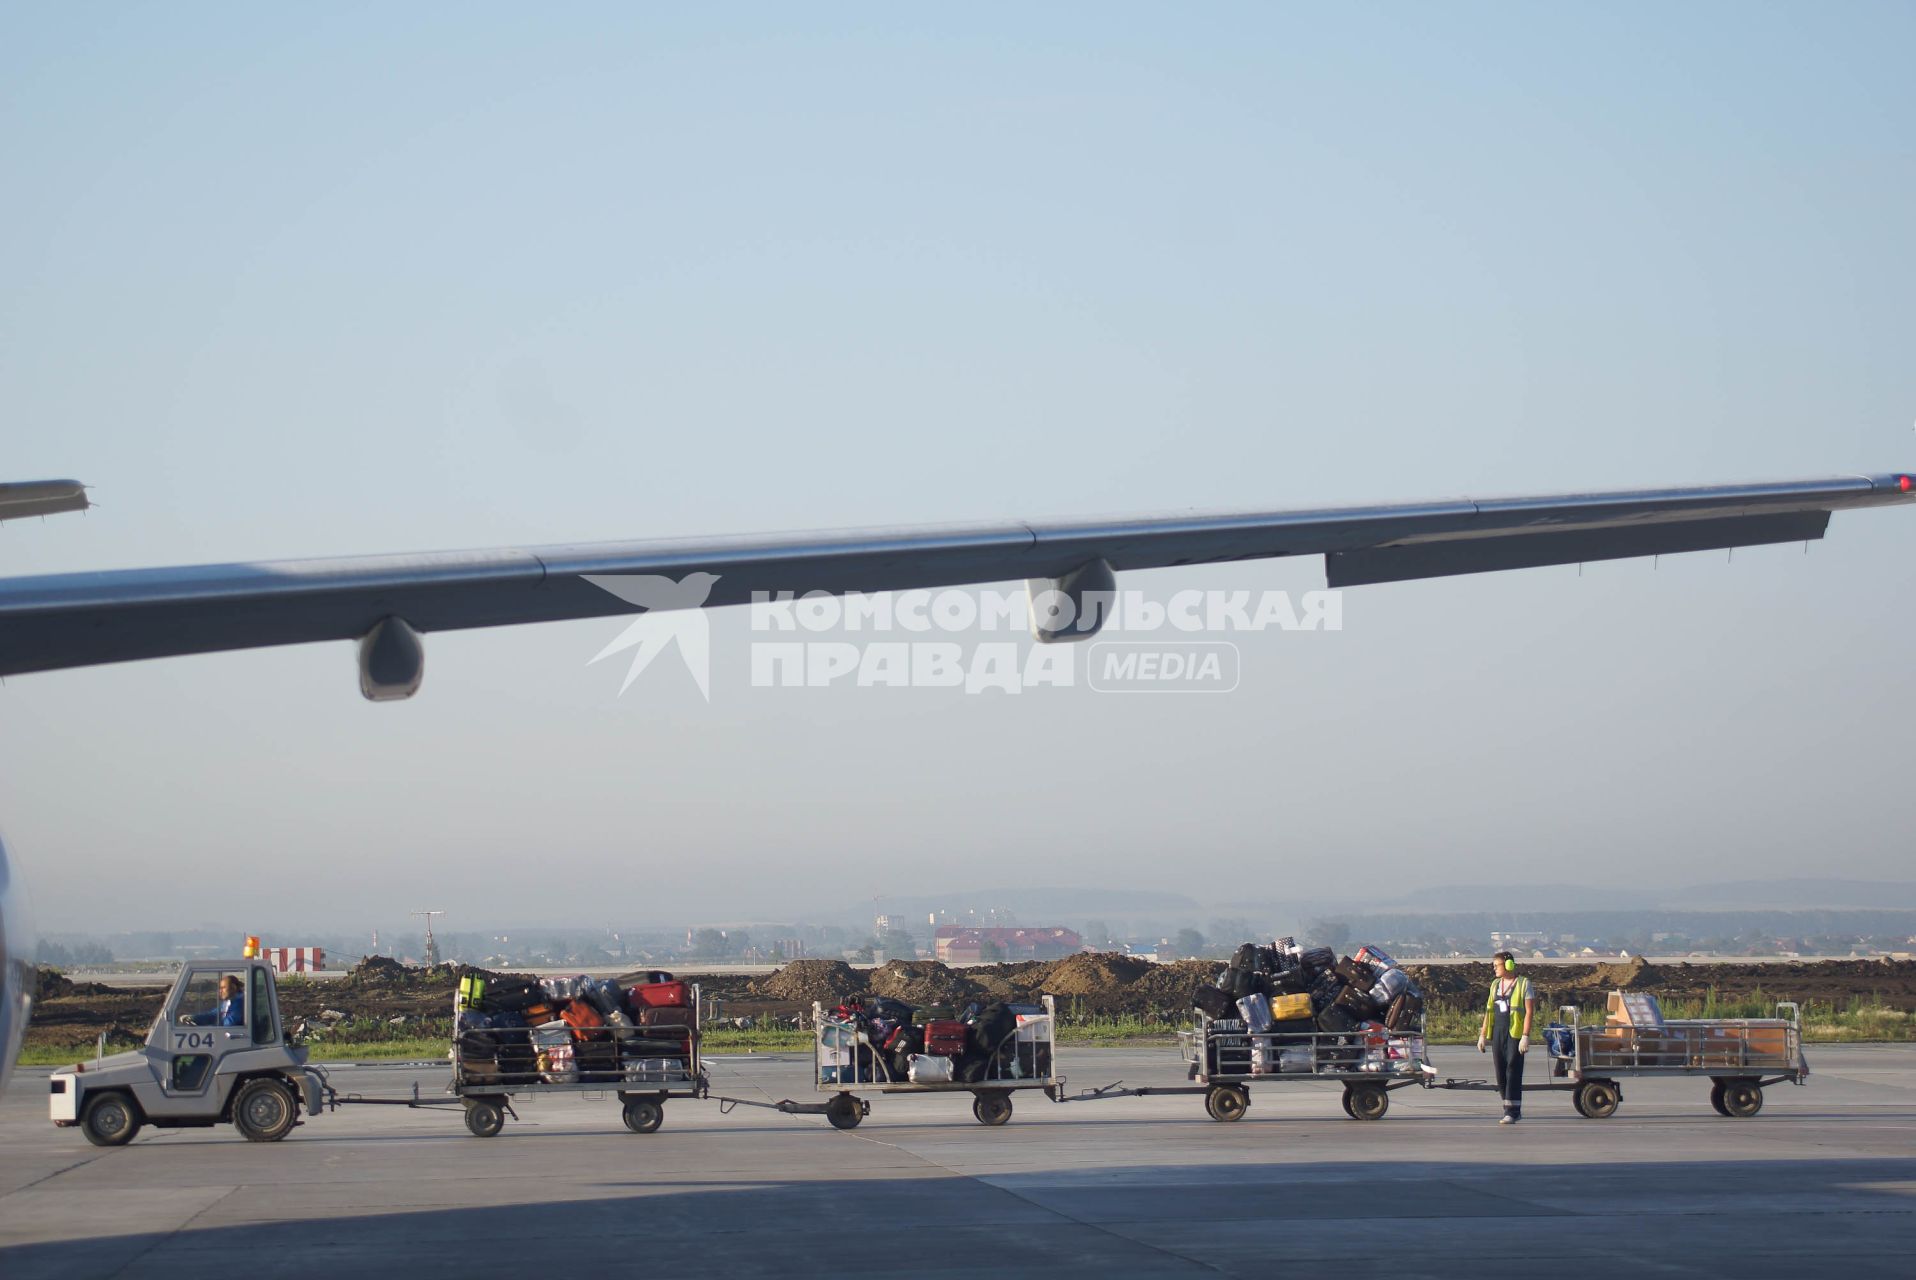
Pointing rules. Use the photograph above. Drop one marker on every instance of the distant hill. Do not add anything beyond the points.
(1803, 893)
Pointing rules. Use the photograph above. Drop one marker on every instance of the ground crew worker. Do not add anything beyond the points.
(231, 1010)
(1506, 1028)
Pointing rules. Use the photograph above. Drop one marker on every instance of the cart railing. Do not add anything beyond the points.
(1230, 1052)
(845, 1057)
(1710, 1046)
(558, 1055)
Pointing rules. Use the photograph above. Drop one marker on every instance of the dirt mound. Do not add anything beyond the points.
(921, 983)
(53, 984)
(827, 981)
(1094, 974)
(1634, 974)
(1169, 986)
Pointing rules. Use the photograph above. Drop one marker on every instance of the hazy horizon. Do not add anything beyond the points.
(286, 283)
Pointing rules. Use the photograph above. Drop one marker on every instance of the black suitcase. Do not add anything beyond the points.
(1245, 958)
(1358, 1002)
(1406, 1013)
(1356, 973)
(1291, 982)
(1212, 1002)
(512, 993)
(1294, 1026)
(1317, 959)
(1336, 1018)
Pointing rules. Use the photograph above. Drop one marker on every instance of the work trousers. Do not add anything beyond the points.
(1503, 1051)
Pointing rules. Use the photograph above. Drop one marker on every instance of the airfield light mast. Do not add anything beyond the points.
(432, 946)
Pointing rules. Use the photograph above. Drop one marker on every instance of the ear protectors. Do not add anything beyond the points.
(1510, 966)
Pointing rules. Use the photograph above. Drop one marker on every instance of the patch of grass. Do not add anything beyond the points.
(413, 1047)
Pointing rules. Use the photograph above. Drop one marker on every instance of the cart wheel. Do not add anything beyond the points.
(263, 1111)
(1716, 1098)
(1742, 1098)
(1576, 1100)
(1366, 1102)
(992, 1108)
(484, 1117)
(844, 1112)
(1598, 1099)
(1227, 1102)
(644, 1115)
(110, 1120)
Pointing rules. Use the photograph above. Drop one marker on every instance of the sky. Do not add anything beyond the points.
(284, 283)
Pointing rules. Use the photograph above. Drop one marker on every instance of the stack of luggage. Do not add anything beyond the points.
(1366, 1004)
(876, 1040)
(519, 1030)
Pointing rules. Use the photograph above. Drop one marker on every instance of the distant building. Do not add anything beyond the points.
(956, 944)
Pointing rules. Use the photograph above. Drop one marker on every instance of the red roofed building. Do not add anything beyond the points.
(957, 945)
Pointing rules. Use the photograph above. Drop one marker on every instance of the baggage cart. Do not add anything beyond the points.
(643, 1066)
(1739, 1056)
(846, 1064)
(1225, 1059)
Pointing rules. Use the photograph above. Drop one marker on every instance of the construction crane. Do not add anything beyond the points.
(432, 946)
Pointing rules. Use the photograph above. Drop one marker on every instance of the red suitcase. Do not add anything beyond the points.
(945, 1038)
(657, 995)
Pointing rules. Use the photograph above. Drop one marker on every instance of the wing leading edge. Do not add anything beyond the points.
(71, 620)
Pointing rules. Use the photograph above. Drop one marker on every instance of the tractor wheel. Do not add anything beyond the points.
(1367, 1102)
(484, 1117)
(844, 1112)
(644, 1115)
(992, 1108)
(1598, 1099)
(264, 1111)
(1742, 1098)
(110, 1120)
(1227, 1102)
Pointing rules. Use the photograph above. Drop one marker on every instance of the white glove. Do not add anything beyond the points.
(1523, 1044)
(1480, 1044)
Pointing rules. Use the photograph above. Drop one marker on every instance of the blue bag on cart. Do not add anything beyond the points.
(1560, 1041)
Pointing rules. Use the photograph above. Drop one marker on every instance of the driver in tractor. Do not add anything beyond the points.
(230, 1012)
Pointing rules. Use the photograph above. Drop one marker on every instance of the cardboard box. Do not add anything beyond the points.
(1637, 1009)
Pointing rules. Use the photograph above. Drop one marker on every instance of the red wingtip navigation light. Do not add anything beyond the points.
(1904, 483)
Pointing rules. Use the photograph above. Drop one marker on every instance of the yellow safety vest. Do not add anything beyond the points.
(1519, 992)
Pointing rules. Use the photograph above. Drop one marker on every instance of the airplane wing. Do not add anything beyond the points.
(72, 620)
(25, 498)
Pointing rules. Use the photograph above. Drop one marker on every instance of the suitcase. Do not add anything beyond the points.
(1291, 982)
(1294, 1026)
(1317, 959)
(585, 1021)
(538, 1013)
(1357, 1002)
(651, 976)
(1257, 1012)
(665, 1016)
(660, 995)
(1245, 958)
(1210, 1001)
(471, 994)
(1356, 973)
(513, 995)
(945, 1038)
(1337, 1018)
(1374, 958)
(1406, 1013)
(1285, 1008)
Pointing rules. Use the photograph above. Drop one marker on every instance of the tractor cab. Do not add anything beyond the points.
(215, 1009)
(217, 1052)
